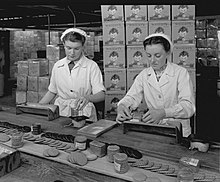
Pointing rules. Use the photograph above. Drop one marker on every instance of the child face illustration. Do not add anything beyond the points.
(113, 58)
(137, 58)
(182, 33)
(136, 34)
(158, 10)
(183, 10)
(115, 81)
(114, 105)
(183, 58)
(135, 11)
(112, 12)
(113, 35)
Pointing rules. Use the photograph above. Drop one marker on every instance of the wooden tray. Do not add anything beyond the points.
(49, 110)
(174, 130)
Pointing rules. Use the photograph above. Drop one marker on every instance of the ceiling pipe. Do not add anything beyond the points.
(74, 17)
(48, 19)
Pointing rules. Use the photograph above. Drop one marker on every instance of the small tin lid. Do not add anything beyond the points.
(113, 148)
(96, 143)
(80, 139)
(120, 156)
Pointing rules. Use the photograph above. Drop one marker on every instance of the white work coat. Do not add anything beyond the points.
(85, 78)
(173, 92)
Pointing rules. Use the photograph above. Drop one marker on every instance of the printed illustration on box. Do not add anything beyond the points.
(112, 12)
(136, 34)
(182, 32)
(113, 106)
(115, 83)
(159, 30)
(158, 13)
(113, 59)
(183, 59)
(183, 12)
(113, 34)
(137, 60)
(135, 13)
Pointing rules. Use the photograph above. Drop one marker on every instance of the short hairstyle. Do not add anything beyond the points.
(157, 40)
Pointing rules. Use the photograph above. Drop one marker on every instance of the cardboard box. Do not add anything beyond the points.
(51, 64)
(22, 67)
(21, 97)
(32, 96)
(136, 32)
(115, 80)
(136, 57)
(160, 27)
(135, 12)
(114, 57)
(55, 52)
(10, 159)
(33, 83)
(22, 83)
(112, 13)
(183, 32)
(111, 101)
(131, 75)
(183, 12)
(113, 34)
(98, 148)
(158, 12)
(54, 37)
(192, 74)
(41, 95)
(38, 67)
(184, 55)
(43, 83)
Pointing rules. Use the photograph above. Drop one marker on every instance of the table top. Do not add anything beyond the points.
(158, 147)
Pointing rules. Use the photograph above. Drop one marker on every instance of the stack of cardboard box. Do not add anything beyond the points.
(113, 55)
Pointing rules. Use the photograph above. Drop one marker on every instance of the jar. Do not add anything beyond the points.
(80, 142)
(111, 151)
(185, 174)
(17, 139)
(36, 128)
(121, 163)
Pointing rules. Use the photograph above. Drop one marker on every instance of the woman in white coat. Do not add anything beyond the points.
(166, 88)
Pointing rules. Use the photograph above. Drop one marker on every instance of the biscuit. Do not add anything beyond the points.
(4, 137)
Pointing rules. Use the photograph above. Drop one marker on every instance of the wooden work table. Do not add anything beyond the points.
(158, 147)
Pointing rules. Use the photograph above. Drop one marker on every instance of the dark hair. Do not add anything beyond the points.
(74, 37)
(115, 76)
(115, 99)
(157, 40)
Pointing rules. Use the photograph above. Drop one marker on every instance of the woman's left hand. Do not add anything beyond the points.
(154, 116)
(81, 103)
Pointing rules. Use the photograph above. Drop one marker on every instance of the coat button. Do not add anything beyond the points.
(159, 96)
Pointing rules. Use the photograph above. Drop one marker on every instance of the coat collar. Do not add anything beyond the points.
(169, 72)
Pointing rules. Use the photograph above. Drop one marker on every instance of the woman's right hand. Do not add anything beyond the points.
(123, 113)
